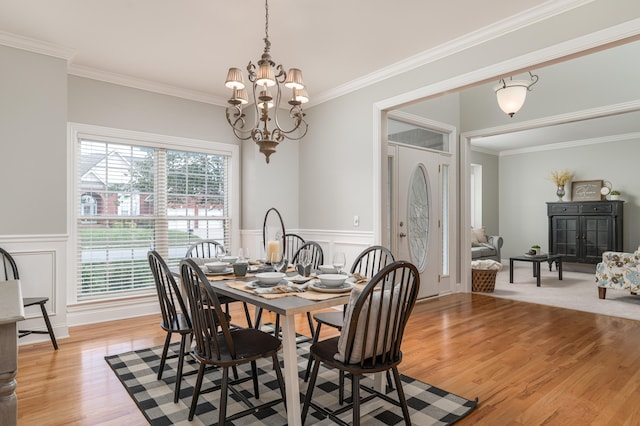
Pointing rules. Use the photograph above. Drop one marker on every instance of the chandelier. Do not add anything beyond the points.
(512, 93)
(267, 79)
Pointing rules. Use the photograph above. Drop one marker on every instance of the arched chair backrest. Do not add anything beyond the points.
(317, 256)
(207, 317)
(8, 267)
(376, 317)
(273, 219)
(169, 296)
(205, 249)
(372, 260)
(292, 243)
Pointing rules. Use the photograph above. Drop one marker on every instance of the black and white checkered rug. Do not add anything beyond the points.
(138, 371)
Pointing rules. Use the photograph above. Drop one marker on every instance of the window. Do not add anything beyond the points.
(476, 195)
(135, 195)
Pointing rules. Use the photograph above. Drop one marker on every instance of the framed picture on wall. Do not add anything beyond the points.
(586, 190)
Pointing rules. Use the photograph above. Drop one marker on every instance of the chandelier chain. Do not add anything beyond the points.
(267, 44)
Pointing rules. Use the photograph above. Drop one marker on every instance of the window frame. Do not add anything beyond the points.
(77, 131)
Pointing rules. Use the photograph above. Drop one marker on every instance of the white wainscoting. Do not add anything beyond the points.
(331, 241)
(41, 261)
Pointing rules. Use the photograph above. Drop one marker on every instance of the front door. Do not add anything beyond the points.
(419, 228)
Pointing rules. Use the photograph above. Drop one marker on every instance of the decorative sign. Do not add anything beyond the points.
(586, 190)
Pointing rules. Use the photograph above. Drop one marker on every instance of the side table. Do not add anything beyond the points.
(537, 260)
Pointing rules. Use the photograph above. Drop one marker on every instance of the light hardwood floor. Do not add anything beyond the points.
(528, 365)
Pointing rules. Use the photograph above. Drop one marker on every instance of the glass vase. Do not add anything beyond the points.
(560, 192)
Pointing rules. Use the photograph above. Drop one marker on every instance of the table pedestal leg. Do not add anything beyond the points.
(292, 385)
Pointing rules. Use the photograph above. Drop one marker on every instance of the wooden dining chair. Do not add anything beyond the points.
(205, 249)
(368, 263)
(175, 316)
(220, 346)
(317, 257)
(9, 271)
(370, 341)
(209, 249)
(292, 244)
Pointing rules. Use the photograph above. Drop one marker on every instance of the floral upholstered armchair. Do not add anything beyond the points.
(618, 270)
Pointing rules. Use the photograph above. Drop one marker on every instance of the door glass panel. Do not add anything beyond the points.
(418, 217)
(444, 226)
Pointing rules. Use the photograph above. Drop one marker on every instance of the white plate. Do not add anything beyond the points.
(225, 272)
(257, 284)
(298, 279)
(318, 286)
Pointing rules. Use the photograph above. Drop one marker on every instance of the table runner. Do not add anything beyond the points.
(309, 294)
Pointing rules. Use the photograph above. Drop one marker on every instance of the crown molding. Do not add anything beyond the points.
(495, 30)
(572, 144)
(36, 46)
(143, 84)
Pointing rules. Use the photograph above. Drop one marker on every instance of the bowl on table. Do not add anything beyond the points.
(229, 259)
(332, 280)
(327, 269)
(217, 266)
(270, 278)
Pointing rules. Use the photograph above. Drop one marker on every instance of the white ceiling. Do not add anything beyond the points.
(186, 47)
(190, 44)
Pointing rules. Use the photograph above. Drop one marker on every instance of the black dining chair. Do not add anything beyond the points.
(205, 249)
(368, 263)
(317, 257)
(175, 316)
(209, 249)
(220, 346)
(9, 271)
(370, 340)
(292, 244)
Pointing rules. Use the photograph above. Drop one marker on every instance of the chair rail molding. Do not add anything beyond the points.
(349, 242)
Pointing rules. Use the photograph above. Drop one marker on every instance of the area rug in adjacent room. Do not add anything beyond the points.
(137, 370)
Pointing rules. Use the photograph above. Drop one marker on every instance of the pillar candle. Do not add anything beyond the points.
(273, 247)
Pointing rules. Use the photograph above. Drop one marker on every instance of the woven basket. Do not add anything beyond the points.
(483, 281)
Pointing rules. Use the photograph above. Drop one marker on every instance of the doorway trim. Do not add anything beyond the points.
(579, 46)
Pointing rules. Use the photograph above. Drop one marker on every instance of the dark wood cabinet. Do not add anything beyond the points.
(581, 231)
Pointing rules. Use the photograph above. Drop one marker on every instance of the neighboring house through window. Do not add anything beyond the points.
(136, 192)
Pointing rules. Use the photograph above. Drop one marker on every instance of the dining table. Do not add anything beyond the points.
(288, 305)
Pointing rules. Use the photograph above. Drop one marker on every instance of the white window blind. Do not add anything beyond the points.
(132, 198)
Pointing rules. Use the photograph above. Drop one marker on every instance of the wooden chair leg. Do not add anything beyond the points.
(401, 397)
(196, 391)
(183, 346)
(247, 314)
(310, 320)
(602, 292)
(355, 396)
(254, 373)
(222, 414)
(163, 357)
(52, 336)
(316, 336)
(276, 367)
(312, 384)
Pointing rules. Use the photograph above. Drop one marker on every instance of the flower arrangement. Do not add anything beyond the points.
(560, 178)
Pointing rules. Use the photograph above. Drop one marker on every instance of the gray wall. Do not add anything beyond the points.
(33, 155)
(525, 189)
(111, 105)
(333, 163)
(342, 136)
